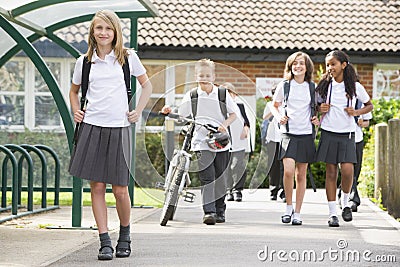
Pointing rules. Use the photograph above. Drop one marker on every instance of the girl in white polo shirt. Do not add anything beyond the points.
(103, 152)
(296, 125)
(337, 93)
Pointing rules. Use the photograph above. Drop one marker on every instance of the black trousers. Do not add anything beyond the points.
(212, 175)
(354, 196)
(276, 172)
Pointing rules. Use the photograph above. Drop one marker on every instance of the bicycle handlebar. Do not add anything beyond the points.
(179, 118)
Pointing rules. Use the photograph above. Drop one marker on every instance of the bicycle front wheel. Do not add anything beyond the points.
(172, 192)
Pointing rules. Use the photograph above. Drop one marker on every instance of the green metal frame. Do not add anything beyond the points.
(133, 44)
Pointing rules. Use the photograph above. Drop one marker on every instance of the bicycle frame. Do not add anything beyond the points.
(177, 178)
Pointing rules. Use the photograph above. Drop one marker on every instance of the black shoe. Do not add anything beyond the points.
(220, 218)
(123, 249)
(347, 214)
(297, 222)
(333, 221)
(238, 196)
(209, 218)
(229, 197)
(354, 207)
(274, 197)
(105, 253)
(286, 218)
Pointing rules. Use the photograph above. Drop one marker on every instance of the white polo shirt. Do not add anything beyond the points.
(208, 112)
(273, 132)
(336, 119)
(107, 98)
(298, 107)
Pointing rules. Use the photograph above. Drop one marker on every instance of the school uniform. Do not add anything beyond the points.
(238, 159)
(359, 139)
(272, 140)
(212, 163)
(297, 137)
(104, 150)
(337, 142)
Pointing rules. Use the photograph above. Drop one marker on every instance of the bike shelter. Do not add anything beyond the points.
(25, 21)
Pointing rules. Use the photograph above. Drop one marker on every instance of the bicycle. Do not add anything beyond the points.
(177, 179)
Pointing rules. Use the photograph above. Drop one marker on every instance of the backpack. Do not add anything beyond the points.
(286, 90)
(86, 65)
(221, 97)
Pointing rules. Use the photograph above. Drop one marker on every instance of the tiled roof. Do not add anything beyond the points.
(359, 25)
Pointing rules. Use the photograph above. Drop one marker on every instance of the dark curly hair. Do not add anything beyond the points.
(349, 76)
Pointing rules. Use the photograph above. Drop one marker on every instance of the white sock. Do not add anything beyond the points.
(297, 216)
(345, 200)
(289, 209)
(332, 208)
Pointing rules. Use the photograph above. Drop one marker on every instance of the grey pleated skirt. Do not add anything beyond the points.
(301, 148)
(336, 148)
(102, 154)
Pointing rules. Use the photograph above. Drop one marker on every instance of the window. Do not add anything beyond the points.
(25, 99)
(386, 81)
(12, 95)
(46, 112)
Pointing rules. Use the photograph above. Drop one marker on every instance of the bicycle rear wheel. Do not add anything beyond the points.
(172, 192)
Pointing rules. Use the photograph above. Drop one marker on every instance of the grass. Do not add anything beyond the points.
(142, 197)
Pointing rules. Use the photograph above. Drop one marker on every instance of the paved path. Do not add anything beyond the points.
(254, 236)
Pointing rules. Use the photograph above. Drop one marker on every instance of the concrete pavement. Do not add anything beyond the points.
(252, 236)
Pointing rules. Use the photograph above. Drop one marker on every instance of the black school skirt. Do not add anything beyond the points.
(102, 154)
(336, 148)
(301, 148)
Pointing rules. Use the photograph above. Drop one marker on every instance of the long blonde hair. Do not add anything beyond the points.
(117, 44)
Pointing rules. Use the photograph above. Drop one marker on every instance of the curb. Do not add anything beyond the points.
(383, 214)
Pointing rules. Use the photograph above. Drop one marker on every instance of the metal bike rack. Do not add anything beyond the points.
(10, 156)
(17, 188)
(24, 154)
(56, 172)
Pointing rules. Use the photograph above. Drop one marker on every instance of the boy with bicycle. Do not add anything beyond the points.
(212, 161)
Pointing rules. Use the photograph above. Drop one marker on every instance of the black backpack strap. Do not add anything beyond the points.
(286, 91)
(358, 106)
(244, 115)
(86, 65)
(127, 78)
(312, 95)
(312, 104)
(193, 99)
(222, 101)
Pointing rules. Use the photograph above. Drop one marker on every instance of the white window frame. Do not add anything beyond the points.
(30, 94)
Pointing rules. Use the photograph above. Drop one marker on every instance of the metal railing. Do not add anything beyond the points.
(24, 150)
